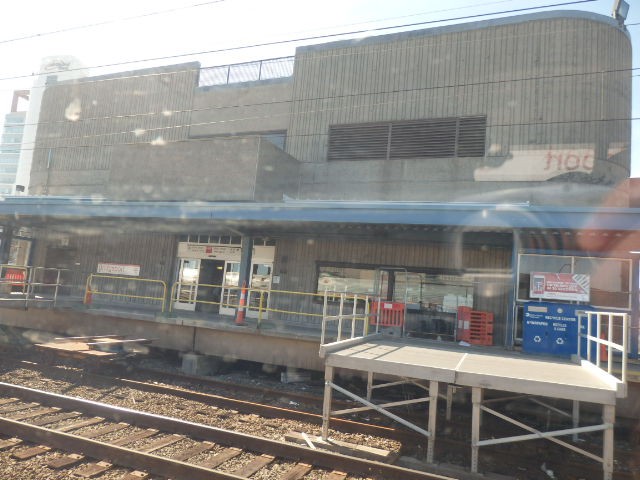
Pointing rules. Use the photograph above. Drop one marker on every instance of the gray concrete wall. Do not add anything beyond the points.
(80, 120)
(537, 78)
(217, 169)
(241, 108)
(277, 173)
(143, 136)
(154, 253)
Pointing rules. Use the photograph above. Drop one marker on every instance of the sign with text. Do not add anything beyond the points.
(560, 286)
(551, 328)
(205, 251)
(119, 269)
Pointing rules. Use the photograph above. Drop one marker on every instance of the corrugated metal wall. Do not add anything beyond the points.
(297, 259)
(78, 119)
(437, 73)
(155, 253)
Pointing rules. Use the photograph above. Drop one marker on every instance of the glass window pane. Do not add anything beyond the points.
(345, 279)
(609, 280)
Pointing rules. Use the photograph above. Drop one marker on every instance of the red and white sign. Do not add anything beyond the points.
(119, 269)
(560, 286)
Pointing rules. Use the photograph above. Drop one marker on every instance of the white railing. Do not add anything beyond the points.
(601, 328)
(347, 314)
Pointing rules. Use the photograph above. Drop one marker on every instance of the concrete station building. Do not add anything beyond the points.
(438, 168)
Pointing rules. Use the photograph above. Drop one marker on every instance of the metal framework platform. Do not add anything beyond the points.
(427, 364)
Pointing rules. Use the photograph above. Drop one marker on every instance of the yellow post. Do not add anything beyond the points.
(260, 308)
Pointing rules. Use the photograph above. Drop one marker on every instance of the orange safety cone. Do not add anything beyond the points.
(242, 305)
(88, 296)
(604, 352)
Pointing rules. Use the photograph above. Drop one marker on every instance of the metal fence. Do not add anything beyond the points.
(246, 72)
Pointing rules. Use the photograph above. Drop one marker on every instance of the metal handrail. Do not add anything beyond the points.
(253, 71)
(90, 290)
(605, 344)
(354, 316)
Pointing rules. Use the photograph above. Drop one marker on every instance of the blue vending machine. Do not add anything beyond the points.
(551, 328)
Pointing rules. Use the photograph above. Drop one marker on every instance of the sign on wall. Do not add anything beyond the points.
(119, 269)
(560, 286)
(205, 251)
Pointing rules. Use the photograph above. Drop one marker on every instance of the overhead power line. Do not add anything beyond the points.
(106, 22)
(166, 113)
(313, 37)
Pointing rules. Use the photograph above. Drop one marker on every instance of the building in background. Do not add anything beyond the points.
(52, 69)
(439, 168)
(11, 143)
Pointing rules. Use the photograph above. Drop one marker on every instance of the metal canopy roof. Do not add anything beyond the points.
(305, 214)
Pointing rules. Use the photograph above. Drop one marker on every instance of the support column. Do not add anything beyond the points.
(512, 317)
(634, 317)
(369, 386)
(450, 390)
(575, 416)
(476, 417)
(244, 275)
(608, 417)
(326, 405)
(433, 414)
(5, 242)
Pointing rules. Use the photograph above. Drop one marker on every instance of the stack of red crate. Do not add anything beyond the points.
(464, 323)
(474, 326)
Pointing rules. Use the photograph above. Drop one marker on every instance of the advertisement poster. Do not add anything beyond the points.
(560, 286)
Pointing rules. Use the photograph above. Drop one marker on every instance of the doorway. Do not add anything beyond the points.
(209, 292)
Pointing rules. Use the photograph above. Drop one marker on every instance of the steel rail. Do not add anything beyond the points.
(318, 458)
(269, 411)
(121, 456)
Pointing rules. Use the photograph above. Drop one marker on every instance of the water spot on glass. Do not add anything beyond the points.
(73, 110)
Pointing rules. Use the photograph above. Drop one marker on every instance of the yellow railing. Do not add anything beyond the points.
(92, 289)
(259, 301)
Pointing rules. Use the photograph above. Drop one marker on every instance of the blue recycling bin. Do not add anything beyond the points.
(551, 328)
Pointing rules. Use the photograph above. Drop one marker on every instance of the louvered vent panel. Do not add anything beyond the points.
(430, 139)
(471, 136)
(358, 142)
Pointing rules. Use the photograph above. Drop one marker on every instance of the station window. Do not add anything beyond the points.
(444, 291)
(610, 278)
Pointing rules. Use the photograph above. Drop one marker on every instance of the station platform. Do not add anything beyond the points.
(429, 364)
(477, 367)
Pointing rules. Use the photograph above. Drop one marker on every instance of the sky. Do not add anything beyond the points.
(119, 35)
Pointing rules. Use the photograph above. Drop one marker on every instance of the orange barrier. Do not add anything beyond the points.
(391, 314)
(474, 326)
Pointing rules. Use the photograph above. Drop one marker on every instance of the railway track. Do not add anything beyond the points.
(453, 441)
(32, 415)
